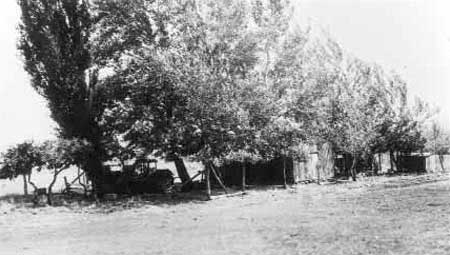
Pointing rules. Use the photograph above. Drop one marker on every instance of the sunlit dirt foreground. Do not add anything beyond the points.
(396, 215)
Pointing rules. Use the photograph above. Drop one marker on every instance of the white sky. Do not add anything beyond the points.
(23, 113)
(411, 37)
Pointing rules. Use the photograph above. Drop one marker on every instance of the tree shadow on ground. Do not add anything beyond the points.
(16, 199)
(110, 202)
(113, 202)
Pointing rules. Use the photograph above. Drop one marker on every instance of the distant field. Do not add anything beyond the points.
(41, 179)
(402, 215)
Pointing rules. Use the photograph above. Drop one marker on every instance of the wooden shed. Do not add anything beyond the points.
(319, 164)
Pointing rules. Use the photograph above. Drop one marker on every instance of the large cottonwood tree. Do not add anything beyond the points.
(67, 46)
(54, 42)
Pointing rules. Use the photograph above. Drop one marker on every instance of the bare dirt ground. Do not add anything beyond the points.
(384, 215)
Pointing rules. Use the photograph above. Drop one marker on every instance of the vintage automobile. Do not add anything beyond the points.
(138, 178)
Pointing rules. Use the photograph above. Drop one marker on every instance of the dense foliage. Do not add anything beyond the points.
(216, 81)
(20, 160)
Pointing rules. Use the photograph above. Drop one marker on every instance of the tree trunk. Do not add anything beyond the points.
(181, 169)
(391, 160)
(372, 163)
(284, 173)
(94, 164)
(441, 162)
(243, 176)
(49, 190)
(353, 168)
(32, 183)
(397, 164)
(213, 169)
(333, 162)
(94, 172)
(266, 68)
(318, 167)
(83, 184)
(345, 166)
(208, 181)
(380, 164)
(25, 186)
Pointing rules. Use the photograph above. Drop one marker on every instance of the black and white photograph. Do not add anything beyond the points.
(221, 127)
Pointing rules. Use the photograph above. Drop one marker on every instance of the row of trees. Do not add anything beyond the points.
(216, 81)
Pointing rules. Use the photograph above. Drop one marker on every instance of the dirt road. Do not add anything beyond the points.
(395, 216)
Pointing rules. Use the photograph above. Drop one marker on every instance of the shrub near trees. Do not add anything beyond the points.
(53, 155)
(61, 154)
(211, 80)
(20, 160)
